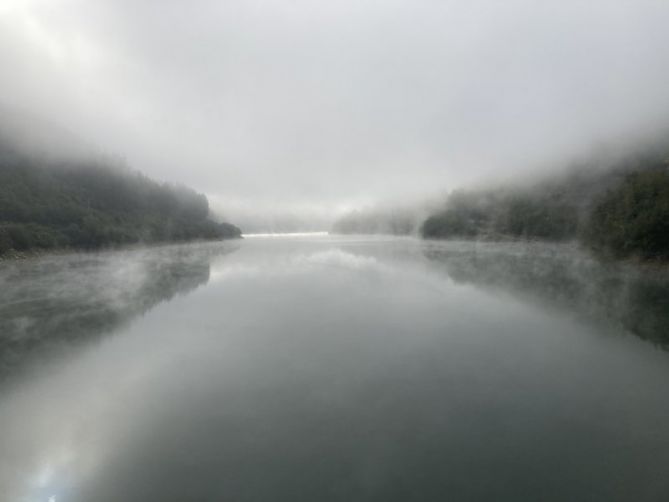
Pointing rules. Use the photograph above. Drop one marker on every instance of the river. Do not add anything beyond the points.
(321, 368)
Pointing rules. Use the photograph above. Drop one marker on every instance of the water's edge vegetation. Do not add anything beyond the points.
(620, 213)
(48, 204)
(618, 210)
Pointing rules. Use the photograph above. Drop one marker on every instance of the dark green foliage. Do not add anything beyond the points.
(633, 218)
(467, 214)
(622, 210)
(530, 217)
(492, 214)
(449, 223)
(93, 205)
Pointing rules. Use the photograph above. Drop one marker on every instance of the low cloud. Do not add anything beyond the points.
(291, 106)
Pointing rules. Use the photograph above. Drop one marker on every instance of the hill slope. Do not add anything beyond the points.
(620, 210)
(90, 204)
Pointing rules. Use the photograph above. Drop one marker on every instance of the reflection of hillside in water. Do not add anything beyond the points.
(56, 302)
(634, 297)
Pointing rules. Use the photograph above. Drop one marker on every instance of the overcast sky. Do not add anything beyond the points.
(326, 105)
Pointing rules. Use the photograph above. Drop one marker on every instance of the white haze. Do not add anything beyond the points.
(299, 110)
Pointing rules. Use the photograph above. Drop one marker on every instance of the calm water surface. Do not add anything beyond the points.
(333, 369)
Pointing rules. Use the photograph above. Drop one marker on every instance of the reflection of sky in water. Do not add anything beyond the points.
(337, 370)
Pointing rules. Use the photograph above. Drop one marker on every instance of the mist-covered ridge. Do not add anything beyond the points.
(50, 199)
(616, 205)
(621, 210)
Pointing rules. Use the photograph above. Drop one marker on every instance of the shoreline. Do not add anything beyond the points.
(14, 255)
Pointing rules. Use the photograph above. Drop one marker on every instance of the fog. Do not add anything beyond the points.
(62, 301)
(300, 111)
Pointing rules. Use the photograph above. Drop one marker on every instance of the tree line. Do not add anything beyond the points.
(621, 211)
(91, 204)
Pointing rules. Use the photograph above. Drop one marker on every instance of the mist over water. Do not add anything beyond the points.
(80, 297)
(294, 365)
(325, 368)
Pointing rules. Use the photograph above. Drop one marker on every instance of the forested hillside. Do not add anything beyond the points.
(90, 204)
(621, 210)
(633, 218)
